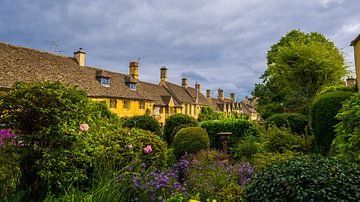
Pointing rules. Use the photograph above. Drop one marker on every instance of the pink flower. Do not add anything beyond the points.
(148, 149)
(130, 146)
(84, 127)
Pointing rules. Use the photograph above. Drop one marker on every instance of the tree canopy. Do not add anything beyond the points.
(298, 66)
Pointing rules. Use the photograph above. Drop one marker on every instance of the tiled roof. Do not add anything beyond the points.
(157, 93)
(185, 95)
(25, 64)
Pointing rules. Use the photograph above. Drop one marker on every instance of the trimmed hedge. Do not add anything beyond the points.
(238, 127)
(307, 178)
(143, 122)
(296, 122)
(322, 117)
(174, 123)
(190, 140)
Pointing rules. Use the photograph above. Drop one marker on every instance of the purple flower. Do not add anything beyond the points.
(6, 134)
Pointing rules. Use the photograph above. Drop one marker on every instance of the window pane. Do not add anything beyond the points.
(113, 103)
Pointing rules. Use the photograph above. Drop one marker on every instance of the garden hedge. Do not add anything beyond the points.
(307, 178)
(296, 122)
(322, 117)
(238, 127)
(174, 123)
(143, 122)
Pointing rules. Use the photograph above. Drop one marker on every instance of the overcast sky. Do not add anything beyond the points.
(219, 43)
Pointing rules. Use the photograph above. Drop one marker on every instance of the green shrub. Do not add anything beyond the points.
(296, 122)
(322, 117)
(238, 127)
(173, 125)
(190, 140)
(281, 140)
(143, 122)
(45, 117)
(308, 178)
(346, 144)
(245, 150)
(119, 147)
(279, 120)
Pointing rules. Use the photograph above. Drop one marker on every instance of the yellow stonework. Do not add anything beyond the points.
(133, 108)
(357, 61)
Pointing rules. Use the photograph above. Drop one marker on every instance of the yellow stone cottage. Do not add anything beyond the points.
(356, 44)
(124, 94)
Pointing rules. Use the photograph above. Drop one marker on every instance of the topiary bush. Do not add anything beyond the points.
(174, 123)
(143, 122)
(238, 127)
(346, 144)
(190, 140)
(307, 178)
(322, 117)
(50, 121)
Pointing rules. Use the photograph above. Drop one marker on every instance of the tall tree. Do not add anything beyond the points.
(298, 66)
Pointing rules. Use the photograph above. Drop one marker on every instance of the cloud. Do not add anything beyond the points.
(222, 43)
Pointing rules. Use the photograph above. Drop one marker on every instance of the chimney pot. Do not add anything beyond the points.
(80, 57)
(163, 74)
(197, 87)
(220, 94)
(232, 97)
(134, 69)
(184, 82)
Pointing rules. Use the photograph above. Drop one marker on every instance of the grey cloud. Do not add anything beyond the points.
(222, 42)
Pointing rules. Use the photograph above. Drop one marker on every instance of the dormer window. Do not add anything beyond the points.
(105, 81)
(132, 86)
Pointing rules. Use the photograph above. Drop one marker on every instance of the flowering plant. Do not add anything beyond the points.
(6, 135)
(147, 149)
(84, 127)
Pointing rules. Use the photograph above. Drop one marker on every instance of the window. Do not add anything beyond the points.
(166, 110)
(105, 81)
(142, 105)
(126, 104)
(113, 103)
(132, 86)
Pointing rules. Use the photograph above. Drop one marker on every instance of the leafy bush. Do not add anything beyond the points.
(279, 120)
(308, 178)
(346, 144)
(120, 146)
(238, 127)
(296, 122)
(246, 148)
(45, 117)
(143, 122)
(190, 140)
(322, 117)
(174, 123)
(281, 140)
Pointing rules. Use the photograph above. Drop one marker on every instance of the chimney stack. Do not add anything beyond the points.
(197, 87)
(184, 82)
(80, 57)
(220, 94)
(350, 82)
(163, 74)
(208, 95)
(134, 70)
(232, 97)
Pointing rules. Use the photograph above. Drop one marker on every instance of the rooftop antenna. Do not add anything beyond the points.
(53, 45)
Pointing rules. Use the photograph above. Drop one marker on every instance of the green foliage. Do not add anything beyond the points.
(313, 57)
(246, 148)
(207, 113)
(322, 117)
(46, 117)
(297, 122)
(143, 122)
(346, 144)
(120, 146)
(238, 127)
(308, 178)
(190, 140)
(210, 175)
(279, 120)
(281, 140)
(174, 123)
